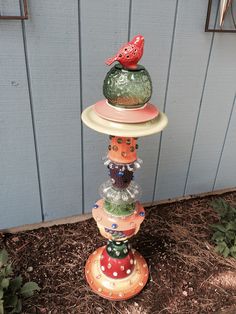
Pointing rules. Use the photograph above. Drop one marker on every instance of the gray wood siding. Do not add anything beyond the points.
(52, 49)
(52, 67)
(19, 190)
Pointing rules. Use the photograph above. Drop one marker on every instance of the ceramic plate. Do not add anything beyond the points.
(137, 115)
(93, 121)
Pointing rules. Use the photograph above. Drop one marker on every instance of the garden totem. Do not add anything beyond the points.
(116, 271)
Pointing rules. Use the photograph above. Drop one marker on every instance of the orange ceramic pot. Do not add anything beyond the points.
(118, 228)
(122, 150)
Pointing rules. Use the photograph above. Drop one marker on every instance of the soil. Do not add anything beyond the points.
(186, 275)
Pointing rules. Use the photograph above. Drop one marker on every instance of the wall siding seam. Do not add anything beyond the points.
(81, 106)
(224, 141)
(130, 16)
(200, 106)
(32, 115)
(165, 98)
(198, 115)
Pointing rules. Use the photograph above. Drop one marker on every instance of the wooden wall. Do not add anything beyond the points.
(52, 67)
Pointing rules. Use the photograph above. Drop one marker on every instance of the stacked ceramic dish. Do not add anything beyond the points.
(115, 271)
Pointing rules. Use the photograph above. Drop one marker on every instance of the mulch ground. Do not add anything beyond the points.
(186, 275)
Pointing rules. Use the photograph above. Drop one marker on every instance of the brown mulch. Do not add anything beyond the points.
(186, 276)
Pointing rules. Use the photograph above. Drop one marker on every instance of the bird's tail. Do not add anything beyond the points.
(109, 61)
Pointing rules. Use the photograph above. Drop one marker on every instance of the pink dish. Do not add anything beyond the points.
(137, 115)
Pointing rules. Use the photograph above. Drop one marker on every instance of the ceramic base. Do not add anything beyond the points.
(116, 289)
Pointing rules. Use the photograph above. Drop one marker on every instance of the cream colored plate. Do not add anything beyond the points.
(93, 121)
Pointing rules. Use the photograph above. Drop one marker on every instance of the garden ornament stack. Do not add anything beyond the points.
(116, 271)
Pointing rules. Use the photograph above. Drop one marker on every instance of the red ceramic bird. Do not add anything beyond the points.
(129, 54)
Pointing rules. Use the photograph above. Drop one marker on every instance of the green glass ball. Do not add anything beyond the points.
(127, 88)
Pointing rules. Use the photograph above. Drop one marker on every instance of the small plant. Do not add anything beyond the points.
(225, 230)
(12, 289)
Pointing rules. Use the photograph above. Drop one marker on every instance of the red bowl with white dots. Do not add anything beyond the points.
(116, 268)
(113, 288)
